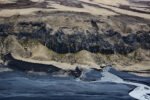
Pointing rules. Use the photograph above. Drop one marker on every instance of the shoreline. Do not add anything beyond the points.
(66, 66)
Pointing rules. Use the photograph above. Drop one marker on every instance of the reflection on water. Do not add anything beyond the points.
(16, 85)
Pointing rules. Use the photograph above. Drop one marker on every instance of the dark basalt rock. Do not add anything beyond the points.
(36, 30)
(76, 73)
(70, 3)
(130, 39)
(124, 49)
(111, 33)
(23, 4)
(73, 43)
(92, 75)
(5, 29)
(144, 39)
(109, 42)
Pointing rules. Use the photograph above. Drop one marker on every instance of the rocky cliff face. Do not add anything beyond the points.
(110, 42)
(97, 35)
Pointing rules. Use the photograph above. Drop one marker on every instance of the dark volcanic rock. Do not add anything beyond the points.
(123, 48)
(5, 29)
(76, 42)
(71, 3)
(131, 39)
(92, 75)
(23, 4)
(144, 39)
(109, 42)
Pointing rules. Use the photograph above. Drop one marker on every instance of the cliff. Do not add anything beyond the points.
(77, 36)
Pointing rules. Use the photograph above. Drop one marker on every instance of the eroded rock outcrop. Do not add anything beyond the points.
(98, 40)
(109, 42)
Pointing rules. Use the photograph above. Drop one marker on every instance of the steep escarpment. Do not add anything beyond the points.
(110, 42)
(77, 38)
(94, 35)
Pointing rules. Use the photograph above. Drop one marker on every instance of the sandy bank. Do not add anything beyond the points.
(64, 66)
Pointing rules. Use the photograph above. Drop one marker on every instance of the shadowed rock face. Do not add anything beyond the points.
(5, 29)
(71, 3)
(144, 2)
(62, 43)
(109, 42)
(23, 4)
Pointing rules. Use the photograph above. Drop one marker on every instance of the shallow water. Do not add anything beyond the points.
(17, 85)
